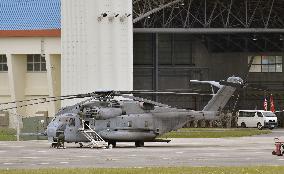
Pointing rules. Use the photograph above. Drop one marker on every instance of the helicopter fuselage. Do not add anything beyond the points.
(125, 121)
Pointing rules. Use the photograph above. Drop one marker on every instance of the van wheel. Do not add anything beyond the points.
(243, 125)
(259, 126)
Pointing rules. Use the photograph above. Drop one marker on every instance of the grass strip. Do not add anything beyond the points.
(154, 170)
(7, 134)
(213, 133)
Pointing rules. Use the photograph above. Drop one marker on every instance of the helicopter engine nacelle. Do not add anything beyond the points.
(106, 113)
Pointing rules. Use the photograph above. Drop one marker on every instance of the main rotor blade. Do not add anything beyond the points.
(257, 87)
(160, 92)
(144, 100)
(69, 108)
(46, 98)
(31, 104)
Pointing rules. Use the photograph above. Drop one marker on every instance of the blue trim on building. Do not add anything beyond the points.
(30, 14)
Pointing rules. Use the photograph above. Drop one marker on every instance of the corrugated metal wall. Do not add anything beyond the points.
(97, 46)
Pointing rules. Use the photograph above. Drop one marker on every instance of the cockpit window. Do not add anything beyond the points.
(72, 122)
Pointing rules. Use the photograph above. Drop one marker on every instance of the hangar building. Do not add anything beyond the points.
(176, 41)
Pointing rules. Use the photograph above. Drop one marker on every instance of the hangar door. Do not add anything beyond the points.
(165, 61)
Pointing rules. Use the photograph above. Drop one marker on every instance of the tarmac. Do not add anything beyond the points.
(244, 151)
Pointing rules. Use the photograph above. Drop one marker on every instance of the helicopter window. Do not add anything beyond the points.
(63, 119)
(108, 124)
(72, 122)
(146, 124)
(129, 124)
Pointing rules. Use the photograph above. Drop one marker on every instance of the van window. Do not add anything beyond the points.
(246, 114)
(259, 114)
(269, 114)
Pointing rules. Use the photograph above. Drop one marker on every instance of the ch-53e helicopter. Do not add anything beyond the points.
(103, 120)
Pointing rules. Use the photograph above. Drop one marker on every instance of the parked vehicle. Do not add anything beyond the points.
(257, 118)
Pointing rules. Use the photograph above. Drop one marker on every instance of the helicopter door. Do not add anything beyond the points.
(86, 125)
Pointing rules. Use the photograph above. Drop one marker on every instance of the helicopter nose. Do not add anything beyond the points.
(51, 131)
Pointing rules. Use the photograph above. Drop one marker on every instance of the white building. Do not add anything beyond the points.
(96, 46)
(30, 54)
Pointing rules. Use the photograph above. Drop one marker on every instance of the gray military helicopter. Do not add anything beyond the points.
(108, 117)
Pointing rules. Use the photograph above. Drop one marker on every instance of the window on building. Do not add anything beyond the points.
(35, 62)
(266, 64)
(3, 63)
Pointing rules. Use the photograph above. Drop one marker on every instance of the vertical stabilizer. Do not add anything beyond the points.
(220, 99)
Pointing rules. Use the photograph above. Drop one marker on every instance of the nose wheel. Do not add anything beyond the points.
(58, 142)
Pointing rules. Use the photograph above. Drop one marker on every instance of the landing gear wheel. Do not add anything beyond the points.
(81, 144)
(139, 144)
(54, 145)
(109, 146)
(259, 126)
(243, 125)
(112, 143)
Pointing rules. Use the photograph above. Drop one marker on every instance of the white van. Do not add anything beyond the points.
(257, 118)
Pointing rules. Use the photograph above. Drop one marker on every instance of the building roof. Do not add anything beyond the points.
(21, 17)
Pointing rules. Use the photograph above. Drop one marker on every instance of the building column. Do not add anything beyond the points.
(17, 81)
(53, 64)
(156, 66)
